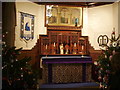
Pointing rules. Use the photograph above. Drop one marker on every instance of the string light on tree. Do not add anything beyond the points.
(14, 70)
(103, 62)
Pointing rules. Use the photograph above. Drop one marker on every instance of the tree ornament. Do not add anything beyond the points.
(21, 75)
(17, 70)
(114, 44)
(3, 35)
(21, 68)
(6, 32)
(110, 57)
(113, 52)
(105, 56)
(12, 61)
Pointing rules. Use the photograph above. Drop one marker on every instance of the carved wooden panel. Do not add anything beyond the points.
(63, 42)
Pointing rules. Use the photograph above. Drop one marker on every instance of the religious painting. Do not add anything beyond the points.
(63, 16)
(51, 14)
(75, 16)
(53, 18)
(27, 26)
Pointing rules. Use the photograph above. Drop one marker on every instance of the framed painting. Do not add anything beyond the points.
(63, 16)
(27, 26)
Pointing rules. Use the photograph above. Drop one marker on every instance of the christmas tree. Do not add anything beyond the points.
(103, 64)
(17, 74)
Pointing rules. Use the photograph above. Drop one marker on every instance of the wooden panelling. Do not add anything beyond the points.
(71, 41)
(77, 4)
(39, 49)
(69, 28)
(94, 53)
(33, 53)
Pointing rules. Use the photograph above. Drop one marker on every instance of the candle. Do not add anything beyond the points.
(41, 63)
(82, 47)
(54, 44)
(74, 44)
(100, 41)
(104, 41)
(46, 46)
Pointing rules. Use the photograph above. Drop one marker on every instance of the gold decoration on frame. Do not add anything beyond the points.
(64, 16)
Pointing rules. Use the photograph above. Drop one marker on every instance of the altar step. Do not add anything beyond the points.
(72, 85)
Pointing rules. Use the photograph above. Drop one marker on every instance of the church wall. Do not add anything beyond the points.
(119, 17)
(33, 9)
(99, 20)
(96, 21)
(115, 16)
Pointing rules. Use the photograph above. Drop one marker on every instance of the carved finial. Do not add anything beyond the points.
(113, 31)
(113, 34)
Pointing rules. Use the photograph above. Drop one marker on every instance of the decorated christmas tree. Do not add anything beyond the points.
(17, 74)
(104, 60)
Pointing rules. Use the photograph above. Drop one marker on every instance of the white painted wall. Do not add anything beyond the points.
(34, 9)
(119, 17)
(115, 16)
(99, 21)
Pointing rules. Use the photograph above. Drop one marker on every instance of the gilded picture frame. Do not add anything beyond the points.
(63, 16)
